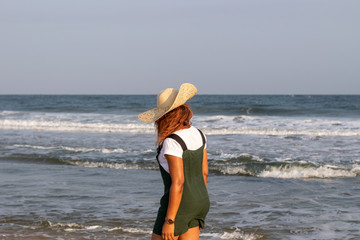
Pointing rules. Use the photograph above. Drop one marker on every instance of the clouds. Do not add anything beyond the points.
(136, 47)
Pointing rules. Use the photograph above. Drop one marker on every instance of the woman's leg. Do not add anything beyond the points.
(191, 234)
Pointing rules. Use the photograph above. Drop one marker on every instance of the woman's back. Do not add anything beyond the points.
(192, 139)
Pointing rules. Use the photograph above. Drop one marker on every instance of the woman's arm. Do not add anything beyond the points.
(177, 183)
(205, 168)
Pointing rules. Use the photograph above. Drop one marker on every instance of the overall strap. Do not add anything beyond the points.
(179, 140)
(202, 136)
(158, 150)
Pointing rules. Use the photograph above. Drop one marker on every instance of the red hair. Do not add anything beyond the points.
(176, 119)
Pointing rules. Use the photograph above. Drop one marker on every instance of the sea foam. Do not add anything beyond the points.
(73, 149)
(236, 234)
(148, 129)
(211, 125)
(305, 172)
(124, 166)
(73, 227)
(63, 126)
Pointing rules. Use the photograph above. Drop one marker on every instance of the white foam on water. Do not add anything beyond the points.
(72, 149)
(124, 166)
(92, 227)
(64, 126)
(280, 132)
(284, 159)
(73, 227)
(274, 125)
(107, 151)
(287, 172)
(69, 227)
(129, 230)
(6, 113)
(237, 234)
(231, 170)
(103, 165)
(253, 157)
(226, 156)
(356, 169)
(211, 125)
(307, 172)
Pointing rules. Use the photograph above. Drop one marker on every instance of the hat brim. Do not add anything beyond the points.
(186, 91)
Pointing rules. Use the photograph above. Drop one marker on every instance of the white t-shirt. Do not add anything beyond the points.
(193, 141)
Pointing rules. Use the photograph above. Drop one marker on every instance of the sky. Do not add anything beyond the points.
(143, 47)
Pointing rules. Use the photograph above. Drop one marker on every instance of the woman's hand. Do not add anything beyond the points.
(168, 231)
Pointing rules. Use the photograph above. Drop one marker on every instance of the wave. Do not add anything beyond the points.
(11, 113)
(77, 150)
(89, 228)
(212, 125)
(254, 166)
(73, 227)
(255, 169)
(316, 172)
(133, 231)
(242, 165)
(236, 234)
(286, 169)
(280, 132)
(34, 158)
(137, 128)
(65, 126)
(83, 161)
(270, 125)
(125, 166)
(295, 172)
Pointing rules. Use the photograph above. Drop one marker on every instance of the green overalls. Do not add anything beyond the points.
(195, 201)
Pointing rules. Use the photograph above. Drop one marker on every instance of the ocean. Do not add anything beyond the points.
(83, 166)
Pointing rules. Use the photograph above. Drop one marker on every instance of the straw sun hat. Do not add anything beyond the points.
(168, 100)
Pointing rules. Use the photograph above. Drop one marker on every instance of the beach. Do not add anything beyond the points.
(83, 166)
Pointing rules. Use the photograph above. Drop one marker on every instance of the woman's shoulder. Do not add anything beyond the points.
(190, 136)
(186, 131)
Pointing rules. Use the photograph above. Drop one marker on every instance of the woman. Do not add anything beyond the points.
(182, 159)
